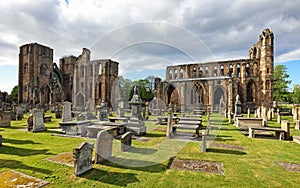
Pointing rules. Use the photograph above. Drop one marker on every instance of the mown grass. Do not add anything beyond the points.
(254, 167)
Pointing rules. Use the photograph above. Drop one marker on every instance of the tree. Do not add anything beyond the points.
(13, 96)
(295, 96)
(146, 90)
(281, 83)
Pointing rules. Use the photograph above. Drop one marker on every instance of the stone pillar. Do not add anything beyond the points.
(170, 121)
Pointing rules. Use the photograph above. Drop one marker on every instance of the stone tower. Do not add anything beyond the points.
(35, 67)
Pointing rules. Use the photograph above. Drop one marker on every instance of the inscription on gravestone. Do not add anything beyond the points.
(83, 158)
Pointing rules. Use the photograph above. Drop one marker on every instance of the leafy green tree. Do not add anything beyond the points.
(14, 94)
(295, 95)
(146, 90)
(281, 83)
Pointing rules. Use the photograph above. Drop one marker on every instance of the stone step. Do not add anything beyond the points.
(296, 139)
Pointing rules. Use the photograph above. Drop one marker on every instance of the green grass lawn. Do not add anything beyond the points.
(256, 166)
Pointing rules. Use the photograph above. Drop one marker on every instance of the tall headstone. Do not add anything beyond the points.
(66, 114)
(135, 123)
(278, 116)
(170, 121)
(38, 120)
(269, 114)
(83, 158)
(126, 140)
(102, 115)
(104, 145)
(238, 107)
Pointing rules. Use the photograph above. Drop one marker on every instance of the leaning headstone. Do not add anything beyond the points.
(38, 121)
(285, 125)
(297, 124)
(104, 145)
(5, 118)
(126, 140)
(203, 148)
(66, 114)
(83, 158)
(0, 140)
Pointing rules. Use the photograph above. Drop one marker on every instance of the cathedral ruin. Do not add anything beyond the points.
(216, 84)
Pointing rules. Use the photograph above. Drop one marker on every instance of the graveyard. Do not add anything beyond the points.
(160, 157)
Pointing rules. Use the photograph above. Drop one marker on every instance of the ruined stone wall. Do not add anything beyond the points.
(204, 84)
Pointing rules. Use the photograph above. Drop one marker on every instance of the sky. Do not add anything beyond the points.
(146, 36)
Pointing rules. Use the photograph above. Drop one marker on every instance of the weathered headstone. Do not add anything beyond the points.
(66, 114)
(19, 113)
(30, 122)
(265, 121)
(285, 125)
(126, 140)
(104, 145)
(170, 121)
(38, 120)
(5, 118)
(83, 158)
(297, 124)
(88, 112)
(102, 115)
(269, 114)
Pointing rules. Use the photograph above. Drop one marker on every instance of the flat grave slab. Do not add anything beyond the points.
(13, 178)
(291, 167)
(201, 166)
(227, 146)
(65, 158)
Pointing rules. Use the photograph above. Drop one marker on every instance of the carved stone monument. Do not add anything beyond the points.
(83, 158)
(135, 123)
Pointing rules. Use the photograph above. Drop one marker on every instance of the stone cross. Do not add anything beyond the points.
(126, 140)
(104, 145)
(83, 158)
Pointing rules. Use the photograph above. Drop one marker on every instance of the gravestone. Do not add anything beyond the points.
(269, 114)
(126, 140)
(248, 113)
(102, 115)
(19, 113)
(52, 108)
(57, 112)
(30, 122)
(104, 145)
(38, 120)
(135, 123)
(297, 124)
(0, 140)
(83, 158)
(238, 107)
(88, 112)
(170, 121)
(285, 125)
(66, 114)
(121, 109)
(278, 116)
(5, 118)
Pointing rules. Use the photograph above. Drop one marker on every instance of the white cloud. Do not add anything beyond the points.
(292, 55)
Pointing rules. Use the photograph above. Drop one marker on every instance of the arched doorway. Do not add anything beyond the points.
(173, 96)
(218, 95)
